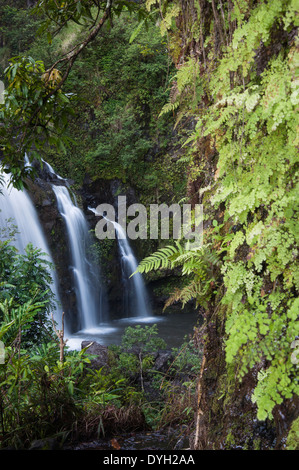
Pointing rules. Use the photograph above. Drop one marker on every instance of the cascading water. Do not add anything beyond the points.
(51, 170)
(135, 298)
(17, 206)
(90, 300)
(136, 302)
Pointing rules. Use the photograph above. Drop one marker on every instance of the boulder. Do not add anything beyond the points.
(100, 352)
(163, 361)
(45, 444)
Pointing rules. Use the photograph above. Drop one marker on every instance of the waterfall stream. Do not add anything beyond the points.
(90, 301)
(135, 298)
(16, 205)
(90, 298)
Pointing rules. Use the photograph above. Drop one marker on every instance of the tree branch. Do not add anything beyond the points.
(70, 59)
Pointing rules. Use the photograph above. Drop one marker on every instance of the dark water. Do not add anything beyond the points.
(172, 327)
(155, 440)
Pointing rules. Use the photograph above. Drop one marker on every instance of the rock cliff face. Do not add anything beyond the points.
(226, 416)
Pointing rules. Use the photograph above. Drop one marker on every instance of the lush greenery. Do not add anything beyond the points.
(106, 102)
(45, 395)
(251, 85)
(233, 102)
(25, 282)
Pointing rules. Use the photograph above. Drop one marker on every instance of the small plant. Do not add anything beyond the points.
(187, 357)
(140, 343)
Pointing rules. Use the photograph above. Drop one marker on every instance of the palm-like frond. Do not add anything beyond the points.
(200, 264)
(162, 259)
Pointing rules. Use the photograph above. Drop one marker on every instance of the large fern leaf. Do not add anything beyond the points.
(199, 264)
(161, 259)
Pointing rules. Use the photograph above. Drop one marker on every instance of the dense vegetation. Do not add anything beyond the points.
(233, 103)
(48, 394)
(252, 122)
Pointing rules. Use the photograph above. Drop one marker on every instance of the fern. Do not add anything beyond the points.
(168, 107)
(18, 318)
(149, 4)
(249, 111)
(161, 259)
(184, 295)
(172, 12)
(194, 290)
(200, 264)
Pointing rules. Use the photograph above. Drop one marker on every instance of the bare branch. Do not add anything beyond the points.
(60, 335)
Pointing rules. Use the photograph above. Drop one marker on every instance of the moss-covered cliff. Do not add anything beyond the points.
(236, 77)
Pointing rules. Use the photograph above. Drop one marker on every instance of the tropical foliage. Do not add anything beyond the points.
(26, 299)
(246, 69)
(232, 94)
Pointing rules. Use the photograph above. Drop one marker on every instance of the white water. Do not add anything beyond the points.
(136, 302)
(135, 298)
(17, 206)
(90, 300)
(89, 296)
(51, 170)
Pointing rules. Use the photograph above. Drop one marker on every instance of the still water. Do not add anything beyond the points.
(172, 327)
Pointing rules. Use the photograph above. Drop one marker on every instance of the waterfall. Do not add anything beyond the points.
(135, 298)
(90, 301)
(136, 302)
(51, 170)
(17, 206)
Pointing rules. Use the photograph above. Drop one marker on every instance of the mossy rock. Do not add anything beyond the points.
(293, 436)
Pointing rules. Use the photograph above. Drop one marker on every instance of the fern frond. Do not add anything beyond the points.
(198, 263)
(176, 255)
(168, 107)
(198, 290)
(161, 259)
(184, 295)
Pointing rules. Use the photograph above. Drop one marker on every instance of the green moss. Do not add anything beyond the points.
(230, 440)
(293, 436)
(256, 444)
